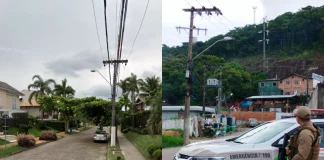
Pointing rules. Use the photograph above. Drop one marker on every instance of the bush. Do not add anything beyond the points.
(157, 154)
(42, 125)
(119, 158)
(26, 140)
(126, 130)
(48, 135)
(209, 131)
(19, 118)
(58, 125)
(140, 120)
(25, 127)
(153, 148)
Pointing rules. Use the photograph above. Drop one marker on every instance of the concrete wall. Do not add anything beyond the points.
(317, 98)
(167, 115)
(34, 111)
(245, 115)
(3, 99)
(178, 124)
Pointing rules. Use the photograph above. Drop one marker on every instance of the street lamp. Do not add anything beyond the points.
(93, 70)
(224, 39)
(113, 136)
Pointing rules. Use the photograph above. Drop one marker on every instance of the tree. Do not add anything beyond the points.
(64, 90)
(123, 85)
(66, 107)
(149, 88)
(42, 88)
(124, 101)
(132, 83)
(154, 123)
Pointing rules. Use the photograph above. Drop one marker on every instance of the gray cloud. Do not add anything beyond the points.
(71, 65)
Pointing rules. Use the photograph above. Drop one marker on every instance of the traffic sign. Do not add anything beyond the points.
(212, 82)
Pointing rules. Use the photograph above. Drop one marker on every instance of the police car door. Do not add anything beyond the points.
(321, 154)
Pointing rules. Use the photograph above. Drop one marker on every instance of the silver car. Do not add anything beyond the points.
(100, 135)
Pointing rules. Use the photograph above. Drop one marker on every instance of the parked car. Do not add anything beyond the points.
(100, 135)
(264, 141)
(252, 122)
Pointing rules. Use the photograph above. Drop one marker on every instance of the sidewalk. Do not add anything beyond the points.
(129, 151)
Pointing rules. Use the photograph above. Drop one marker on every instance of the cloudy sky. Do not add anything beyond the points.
(237, 13)
(58, 39)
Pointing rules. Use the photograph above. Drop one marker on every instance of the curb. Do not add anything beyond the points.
(25, 149)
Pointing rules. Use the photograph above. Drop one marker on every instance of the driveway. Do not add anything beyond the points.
(72, 147)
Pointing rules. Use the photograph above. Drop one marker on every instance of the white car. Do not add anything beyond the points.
(260, 143)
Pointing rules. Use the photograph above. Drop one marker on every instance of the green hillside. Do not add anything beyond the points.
(296, 43)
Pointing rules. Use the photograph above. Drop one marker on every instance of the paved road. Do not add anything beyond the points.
(168, 154)
(74, 147)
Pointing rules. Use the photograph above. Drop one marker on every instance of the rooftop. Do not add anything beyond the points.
(10, 89)
(192, 108)
(271, 97)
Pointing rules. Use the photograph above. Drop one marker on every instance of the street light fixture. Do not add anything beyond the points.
(93, 70)
(224, 39)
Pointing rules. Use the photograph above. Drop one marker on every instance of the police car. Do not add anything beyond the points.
(264, 142)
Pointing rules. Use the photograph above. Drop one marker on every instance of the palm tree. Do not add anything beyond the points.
(124, 101)
(41, 87)
(132, 87)
(149, 88)
(123, 85)
(64, 90)
(154, 123)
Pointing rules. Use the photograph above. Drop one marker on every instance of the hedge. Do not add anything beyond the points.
(58, 125)
(140, 120)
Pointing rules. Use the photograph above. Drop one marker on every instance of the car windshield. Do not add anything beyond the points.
(263, 133)
(100, 132)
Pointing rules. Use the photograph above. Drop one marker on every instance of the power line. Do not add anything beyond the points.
(105, 11)
(139, 28)
(188, 3)
(199, 2)
(95, 17)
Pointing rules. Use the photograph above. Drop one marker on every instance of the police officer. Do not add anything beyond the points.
(305, 144)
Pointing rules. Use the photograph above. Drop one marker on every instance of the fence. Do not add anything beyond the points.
(179, 123)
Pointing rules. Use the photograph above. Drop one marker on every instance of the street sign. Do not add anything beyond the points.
(317, 77)
(212, 82)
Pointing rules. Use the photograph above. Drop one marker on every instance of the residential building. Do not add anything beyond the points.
(9, 99)
(295, 84)
(177, 112)
(269, 87)
(32, 108)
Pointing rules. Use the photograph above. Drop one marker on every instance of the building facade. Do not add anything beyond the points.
(269, 87)
(296, 85)
(9, 99)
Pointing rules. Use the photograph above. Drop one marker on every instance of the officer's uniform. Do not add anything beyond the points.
(303, 145)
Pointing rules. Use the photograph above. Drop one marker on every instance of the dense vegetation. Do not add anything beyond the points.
(296, 43)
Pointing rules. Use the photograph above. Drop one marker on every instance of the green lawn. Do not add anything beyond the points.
(171, 141)
(142, 142)
(34, 131)
(2, 142)
(13, 131)
(10, 150)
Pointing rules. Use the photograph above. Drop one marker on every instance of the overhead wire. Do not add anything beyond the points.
(105, 12)
(148, 1)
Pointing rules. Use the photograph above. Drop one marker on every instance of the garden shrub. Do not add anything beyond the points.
(126, 130)
(153, 148)
(209, 131)
(42, 125)
(157, 154)
(26, 140)
(25, 127)
(48, 135)
(19, 118)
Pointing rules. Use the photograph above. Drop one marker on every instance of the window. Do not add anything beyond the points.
(262, 84)
(321, 125)
(274, 84)
(296, 82)
(14, 103)
(287, 82)
(263, 133)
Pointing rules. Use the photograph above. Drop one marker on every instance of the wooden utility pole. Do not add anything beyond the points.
(192, 10)
(113, 110)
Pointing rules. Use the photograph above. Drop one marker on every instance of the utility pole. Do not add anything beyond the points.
(204, 91)
(219, 91)
(194, 28)
(192, 10)
(113, 110)
(254, 9)
(265, 66)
